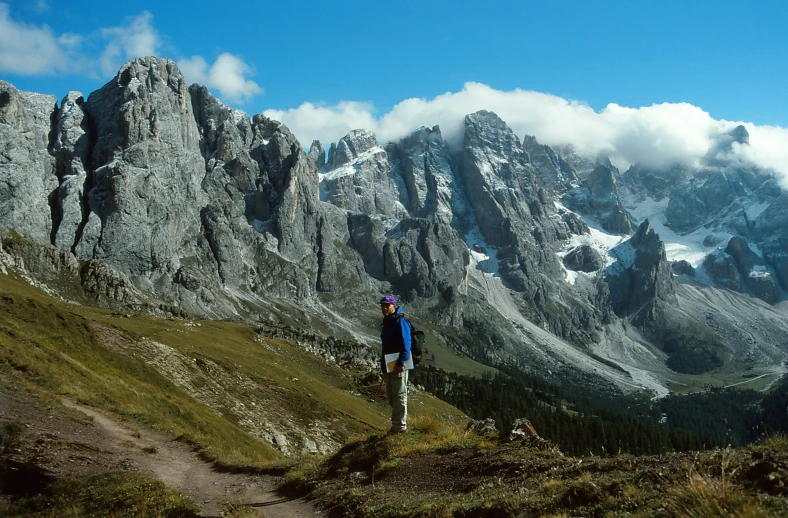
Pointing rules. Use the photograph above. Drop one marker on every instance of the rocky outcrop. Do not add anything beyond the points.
(584, 259)
(146, 162)
(357, 177)
(47, 265)
(482, 426)
(721, 268)
(740, 269)
(598, 196)
(555, 174)
(682, 267)
(28, 179)
(99, 280)
(640, 281)
(422, 163)
(317, 155)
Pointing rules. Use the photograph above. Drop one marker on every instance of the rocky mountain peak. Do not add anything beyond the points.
(598, 195)
(350, 147)
(641, 279)
(740, 134)
(317, 155)
(486, 130)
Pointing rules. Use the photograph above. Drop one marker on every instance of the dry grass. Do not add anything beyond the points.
(704, 496)
(707, 495)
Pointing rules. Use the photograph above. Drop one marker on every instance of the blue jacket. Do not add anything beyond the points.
(395, 337)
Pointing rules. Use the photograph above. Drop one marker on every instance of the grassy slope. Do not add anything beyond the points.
(439, 470)
(55, 350)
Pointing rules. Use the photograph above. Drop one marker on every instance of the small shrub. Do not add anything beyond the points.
(705, 496)
(10, 431)
(776, 443)
(119, 494)
(151, 449)
(232, 510)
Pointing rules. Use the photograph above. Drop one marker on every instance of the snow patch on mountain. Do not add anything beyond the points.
(483, 256)
(755, 210)
(678, 247)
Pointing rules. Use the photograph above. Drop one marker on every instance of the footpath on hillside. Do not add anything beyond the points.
(62, 446)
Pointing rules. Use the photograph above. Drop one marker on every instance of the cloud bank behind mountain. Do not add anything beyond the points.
(659, 135)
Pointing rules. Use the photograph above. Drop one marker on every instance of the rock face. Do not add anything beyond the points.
(28, 180)
(71, 150)
(424, 173)
(584, 259)
(599, 196)
(640, 281)
(357, 177)
(682, 268)
(146, 170)
(555, 174)
(150, 186)
(738, 268)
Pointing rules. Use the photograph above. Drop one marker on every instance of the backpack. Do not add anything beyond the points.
(416, 343)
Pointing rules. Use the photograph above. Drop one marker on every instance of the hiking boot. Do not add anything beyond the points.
(395, 431)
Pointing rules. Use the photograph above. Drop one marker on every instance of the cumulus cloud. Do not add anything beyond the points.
(27, 49)
(658, 135)
(34, 50)
(136, 38)
(227, 75)
(768, 147)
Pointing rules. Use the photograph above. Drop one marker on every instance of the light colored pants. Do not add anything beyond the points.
(397, 392)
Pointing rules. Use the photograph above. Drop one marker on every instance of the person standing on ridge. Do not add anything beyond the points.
(395, 361)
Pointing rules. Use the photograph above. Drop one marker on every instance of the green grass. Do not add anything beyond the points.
(450, 360)
(52, 347)
(94, 356)
(688, 383)
(118, 494)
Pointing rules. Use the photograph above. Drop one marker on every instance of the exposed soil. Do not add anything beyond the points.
(56, 445)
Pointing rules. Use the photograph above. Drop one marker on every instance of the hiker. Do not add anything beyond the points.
(395, 361)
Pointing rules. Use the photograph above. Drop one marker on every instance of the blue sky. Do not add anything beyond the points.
(716, 63)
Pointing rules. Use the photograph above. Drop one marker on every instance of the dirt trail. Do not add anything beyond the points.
(63, 446)
(181, 469)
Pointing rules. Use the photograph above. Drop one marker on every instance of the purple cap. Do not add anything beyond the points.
(388, 299)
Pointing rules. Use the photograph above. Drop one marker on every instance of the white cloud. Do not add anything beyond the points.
(32, 50)
(136, 39)
(327, 124)
(768, 148)
(657, 135)
(227, 75)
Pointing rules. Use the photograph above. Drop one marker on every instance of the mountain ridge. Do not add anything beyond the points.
(227, 215)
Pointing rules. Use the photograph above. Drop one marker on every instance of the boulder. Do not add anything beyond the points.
(682, 267)
(584, 259)
(482, 427)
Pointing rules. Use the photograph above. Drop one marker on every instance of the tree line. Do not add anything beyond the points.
(580, 425)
